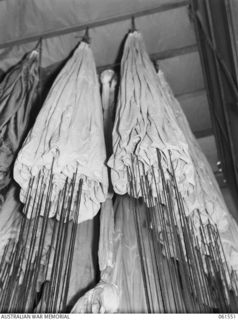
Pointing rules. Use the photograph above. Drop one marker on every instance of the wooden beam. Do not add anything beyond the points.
(95, 24)
(167, 54)
(163, 55)
(203, 133)
(191, 94)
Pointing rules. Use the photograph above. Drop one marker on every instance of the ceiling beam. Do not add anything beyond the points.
(191, 94)
(171, 53)
(163, 55)
(203, 133)
(94, 24)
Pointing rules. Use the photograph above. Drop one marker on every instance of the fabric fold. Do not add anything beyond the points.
(208, 199)
(67, 136)
(143, 124)
(17, 93)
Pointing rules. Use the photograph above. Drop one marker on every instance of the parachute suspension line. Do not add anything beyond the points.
(139, 242)
(183, 266)
(35, 269)
(157, 221)
(162, 290)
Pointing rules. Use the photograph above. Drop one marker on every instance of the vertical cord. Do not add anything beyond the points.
(40, 72)
(133, 25)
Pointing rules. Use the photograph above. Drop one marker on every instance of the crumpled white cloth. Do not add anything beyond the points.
(10, 218)
(207, 196)
(143, 124)
(69, 128)
(103, 298)
(105, 250)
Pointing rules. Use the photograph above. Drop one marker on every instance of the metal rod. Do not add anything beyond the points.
(95, 24)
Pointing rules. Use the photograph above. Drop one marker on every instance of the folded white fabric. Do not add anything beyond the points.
(143, 124)
(208, 199)
(69, 129)
(149, 118)
(10, 218)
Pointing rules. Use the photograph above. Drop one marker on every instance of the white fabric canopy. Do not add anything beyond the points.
(148, 117)
(207, 196)
(69, 128)
(144, 124)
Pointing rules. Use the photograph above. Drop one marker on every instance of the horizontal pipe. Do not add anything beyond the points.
(94, 24)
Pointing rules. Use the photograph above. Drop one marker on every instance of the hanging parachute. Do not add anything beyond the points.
(182, 260)
(209, 199)
(17, 92)
(104, 297)
(63, 179)
(143, 124)
(69, 131)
